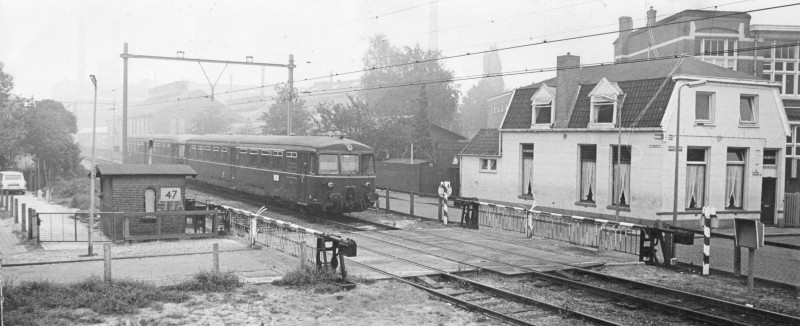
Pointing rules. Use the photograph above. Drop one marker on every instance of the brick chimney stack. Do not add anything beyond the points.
(651, 17)
(625, 26)
(567, 71)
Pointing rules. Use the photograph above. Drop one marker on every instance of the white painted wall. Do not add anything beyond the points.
(556, 160)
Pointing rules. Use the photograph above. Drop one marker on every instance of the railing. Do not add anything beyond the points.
(596, 233)
(327, 249)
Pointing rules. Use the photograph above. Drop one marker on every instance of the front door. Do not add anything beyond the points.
(768, 200)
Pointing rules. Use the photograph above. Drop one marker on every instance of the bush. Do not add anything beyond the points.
(47, 303)
(208, 281)
(317, 278)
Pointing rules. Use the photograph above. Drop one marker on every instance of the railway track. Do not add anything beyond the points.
(523, 310)
(635, 294)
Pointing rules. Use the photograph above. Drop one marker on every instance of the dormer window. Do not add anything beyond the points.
(543, 103)
(605, 101)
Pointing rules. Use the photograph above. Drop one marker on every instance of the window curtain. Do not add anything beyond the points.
(695, 185)
(527, 176)
(622, 185)
(733, 186)
(587, 180)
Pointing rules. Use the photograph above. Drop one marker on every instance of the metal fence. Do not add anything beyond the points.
(596, 233)
(74, 227)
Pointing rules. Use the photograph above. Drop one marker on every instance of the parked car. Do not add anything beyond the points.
(13, 182)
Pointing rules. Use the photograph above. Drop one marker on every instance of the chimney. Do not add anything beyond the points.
(625, 26)
(651, 17)
(566, 87)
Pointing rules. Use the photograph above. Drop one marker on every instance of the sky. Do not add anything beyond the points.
(49, 43)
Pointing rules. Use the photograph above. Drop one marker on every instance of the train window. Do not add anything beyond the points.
(328, 164)
(266, 152)
(242, 151)
(215, 148)
(277, 153)
(223, 154)
(367, 164)
(350, 164)
(291, 161)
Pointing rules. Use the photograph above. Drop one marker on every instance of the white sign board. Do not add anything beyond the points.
(170, 194)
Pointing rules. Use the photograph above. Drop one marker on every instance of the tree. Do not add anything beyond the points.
(248, 128)
(6, 85)
(275, 117)
(49, 129)
(355, 120)
(475, 106)
(210, 121)
(401, 81)
(390, 135)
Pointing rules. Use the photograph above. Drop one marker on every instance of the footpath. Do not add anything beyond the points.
(162, 262)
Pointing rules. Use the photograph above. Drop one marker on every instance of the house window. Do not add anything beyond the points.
(695, 178)
(621, 176)
(747, 110)
(770, 157)
(149, 200)
(544, 113)
(704, 107)
(527, 169)
(734, 177)
(588, 159)
(488, 165)
(603, 112)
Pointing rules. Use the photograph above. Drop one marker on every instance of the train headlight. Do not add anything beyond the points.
(368, 184)
(330, 185)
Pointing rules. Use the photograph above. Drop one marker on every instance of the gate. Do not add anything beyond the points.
(73, 227)
(791, 210)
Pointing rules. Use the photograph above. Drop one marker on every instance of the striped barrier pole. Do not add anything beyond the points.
(444, 192)
(706, 244)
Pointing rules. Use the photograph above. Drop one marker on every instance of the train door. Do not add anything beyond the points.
(228, 166)
(303, 166)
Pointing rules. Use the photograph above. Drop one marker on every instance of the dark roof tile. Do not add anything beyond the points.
(485, 143)
(144, 169)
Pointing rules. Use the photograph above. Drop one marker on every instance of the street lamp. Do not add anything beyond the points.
(677, 153)
(92, 173)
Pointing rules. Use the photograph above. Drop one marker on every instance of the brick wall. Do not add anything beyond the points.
(127, 195)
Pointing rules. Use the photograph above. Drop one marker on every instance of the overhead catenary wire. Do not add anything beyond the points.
(477, 53)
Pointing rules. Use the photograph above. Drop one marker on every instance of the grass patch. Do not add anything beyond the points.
(318, 279)
(49, 303)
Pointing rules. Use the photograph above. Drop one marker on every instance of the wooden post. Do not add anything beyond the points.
(14, 202)
(216, 257)
(22, 212)
(750, 273)
(303, 246)
(440, 209)
(388, 201)
(737, 260)
(34, 224)
(107, 262)
(411, 204)
(214, 224)
(253, 230)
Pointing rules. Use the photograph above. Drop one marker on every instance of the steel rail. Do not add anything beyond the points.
(510, 295)
(704, 317)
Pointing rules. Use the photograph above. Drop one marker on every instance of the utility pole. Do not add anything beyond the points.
(291, 96)
(125, 104)
(125, 56)
(92, 173)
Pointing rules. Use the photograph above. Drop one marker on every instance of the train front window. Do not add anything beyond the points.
(328, 164)
(349, 164)
(367, 165)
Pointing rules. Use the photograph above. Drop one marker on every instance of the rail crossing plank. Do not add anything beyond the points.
(506, 263)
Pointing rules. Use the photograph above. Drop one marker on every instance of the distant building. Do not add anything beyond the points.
(170, 108)
(560, 143)
(726, 39)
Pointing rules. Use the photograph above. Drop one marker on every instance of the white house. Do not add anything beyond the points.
(560, 140)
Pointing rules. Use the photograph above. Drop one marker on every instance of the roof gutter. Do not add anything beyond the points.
(733, 81)
(645, 129)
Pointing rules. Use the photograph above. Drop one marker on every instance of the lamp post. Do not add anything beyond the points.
(92, 173)
(677, 154)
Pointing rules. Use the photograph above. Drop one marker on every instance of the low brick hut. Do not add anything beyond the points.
(133, 188)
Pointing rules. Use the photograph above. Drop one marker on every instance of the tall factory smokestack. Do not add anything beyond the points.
(433, 28)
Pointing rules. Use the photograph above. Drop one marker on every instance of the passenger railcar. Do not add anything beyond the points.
(327, 173)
